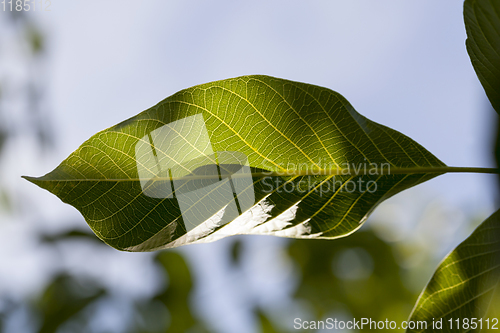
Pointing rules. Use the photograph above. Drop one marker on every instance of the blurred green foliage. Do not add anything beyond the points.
(357, 274)
(174, 296)
(63, 299)
(67, 300)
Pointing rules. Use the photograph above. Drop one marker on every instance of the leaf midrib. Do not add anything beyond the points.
(291, 173)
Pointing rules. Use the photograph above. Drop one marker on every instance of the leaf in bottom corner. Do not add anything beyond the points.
(466, 285)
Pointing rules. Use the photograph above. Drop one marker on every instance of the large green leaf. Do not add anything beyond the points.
(482, 22)
(302, 163)
(465, 284)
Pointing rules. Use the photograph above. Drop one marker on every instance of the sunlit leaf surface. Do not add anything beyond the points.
(249, 155)
(463, 286)
(482, 22)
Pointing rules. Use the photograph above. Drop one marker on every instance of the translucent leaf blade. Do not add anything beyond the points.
(464, 285)
(247, 155)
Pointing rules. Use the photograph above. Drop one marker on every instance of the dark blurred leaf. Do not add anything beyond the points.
(465, 282)
(3, 138)
(35, 39)
(335, 279)
(69, 235)
(236, 251)
(496, 150)
(265, 324)
(482, 22)
(175, 296)
(5, 200)
(63, 299)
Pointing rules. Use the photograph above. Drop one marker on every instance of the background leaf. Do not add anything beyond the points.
(120, 178)
(65, 298)
(465, 283)
(482, 22)
(358, 276)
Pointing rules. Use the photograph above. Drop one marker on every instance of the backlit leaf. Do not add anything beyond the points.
(249, 155)
(463, 286)
(482, 22)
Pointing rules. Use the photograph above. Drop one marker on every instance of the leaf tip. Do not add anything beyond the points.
(34, 180)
